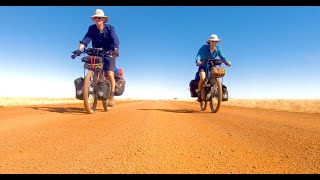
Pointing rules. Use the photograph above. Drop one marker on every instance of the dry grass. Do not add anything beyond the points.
(17, 101)
(291, 105)
(20, 101)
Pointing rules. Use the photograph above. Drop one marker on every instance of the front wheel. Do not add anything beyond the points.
(105, 105)
(89, 98)
(216, 96)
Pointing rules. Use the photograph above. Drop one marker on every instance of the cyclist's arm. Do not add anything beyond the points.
(86, 39)
(201, 55)
(114, 38)
(220, 53)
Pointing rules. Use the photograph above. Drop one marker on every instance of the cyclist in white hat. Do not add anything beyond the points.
(103, 36)
(209, 50)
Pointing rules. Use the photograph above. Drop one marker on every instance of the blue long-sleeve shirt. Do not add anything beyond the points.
(108, 39)
(204, 53)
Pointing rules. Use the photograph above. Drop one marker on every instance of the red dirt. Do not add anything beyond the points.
(157, 137)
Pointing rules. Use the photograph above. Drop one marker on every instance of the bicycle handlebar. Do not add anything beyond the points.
(95, 51)
(217, 62)
(74, 56)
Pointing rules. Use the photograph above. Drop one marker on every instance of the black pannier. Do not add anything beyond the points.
(225, 94)
(120, 85)
(78, 83)
(193, 85)
(103, 89)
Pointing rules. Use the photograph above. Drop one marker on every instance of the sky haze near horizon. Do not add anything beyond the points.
(274, 50)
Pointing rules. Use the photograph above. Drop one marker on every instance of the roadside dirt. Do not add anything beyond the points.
(157, 137)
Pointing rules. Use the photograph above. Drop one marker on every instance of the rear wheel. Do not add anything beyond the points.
(203, 102)
(216, 97)
(89, 98)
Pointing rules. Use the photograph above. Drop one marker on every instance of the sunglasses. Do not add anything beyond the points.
(97, 18)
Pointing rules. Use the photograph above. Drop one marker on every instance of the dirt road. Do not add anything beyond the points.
(157, 137)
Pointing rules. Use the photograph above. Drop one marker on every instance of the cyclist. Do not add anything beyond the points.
(209, 50)
(103, 35)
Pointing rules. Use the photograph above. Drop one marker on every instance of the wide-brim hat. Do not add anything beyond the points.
(99, 13)
(213, 37)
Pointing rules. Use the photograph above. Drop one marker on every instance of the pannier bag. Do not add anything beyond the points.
(193, 85)
(78, 83)
(225, 94)
(103, 89)
(120, 85)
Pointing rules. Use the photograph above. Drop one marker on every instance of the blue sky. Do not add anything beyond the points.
(275, 51)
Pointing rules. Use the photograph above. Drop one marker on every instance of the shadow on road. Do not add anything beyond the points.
(68, 110)
(173, 110)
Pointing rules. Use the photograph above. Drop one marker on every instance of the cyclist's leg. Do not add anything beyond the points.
(109, 65)
(202, 76)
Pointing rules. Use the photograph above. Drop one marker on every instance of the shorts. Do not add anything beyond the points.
(109, 63)
(202, 68)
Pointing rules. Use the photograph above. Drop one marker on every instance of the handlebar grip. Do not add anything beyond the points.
(73, 56)
(228, 63)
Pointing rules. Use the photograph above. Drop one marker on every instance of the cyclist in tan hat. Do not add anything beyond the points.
(103, 36)
(210, 50)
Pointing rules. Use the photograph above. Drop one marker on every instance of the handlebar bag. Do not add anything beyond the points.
(218, 71)
(92, 59)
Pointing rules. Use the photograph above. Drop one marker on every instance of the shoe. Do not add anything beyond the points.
(111, 100)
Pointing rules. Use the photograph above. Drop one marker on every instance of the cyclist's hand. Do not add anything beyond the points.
(76, 52)
(116, 52)
(228, 63)
(199, 63)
